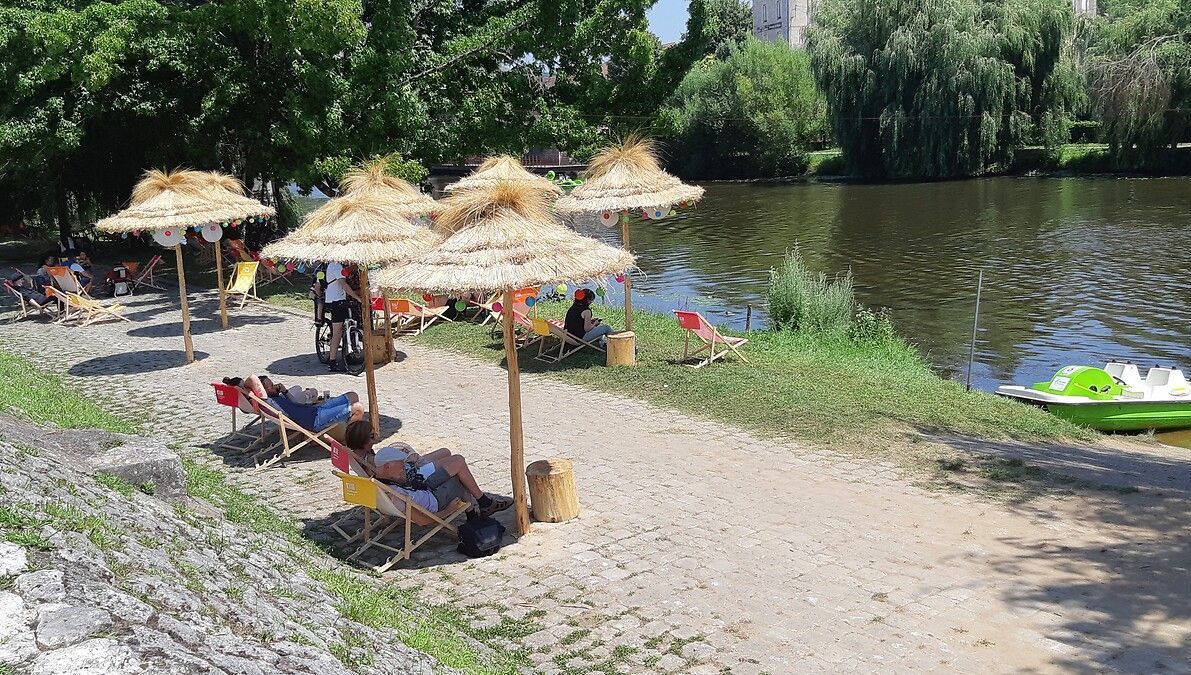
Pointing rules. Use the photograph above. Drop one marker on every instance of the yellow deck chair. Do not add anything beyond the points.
(93, 311)
(243, 282)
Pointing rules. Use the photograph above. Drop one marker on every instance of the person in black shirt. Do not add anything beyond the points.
(581, 323)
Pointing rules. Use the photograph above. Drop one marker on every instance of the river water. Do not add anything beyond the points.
(1075, 270)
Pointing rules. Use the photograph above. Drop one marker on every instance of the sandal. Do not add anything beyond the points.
(498, 504)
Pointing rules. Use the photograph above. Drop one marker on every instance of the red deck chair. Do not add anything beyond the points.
(145, 276)
(696, 325)
(233, 398)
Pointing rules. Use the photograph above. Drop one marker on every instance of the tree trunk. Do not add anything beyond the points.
(62, 210)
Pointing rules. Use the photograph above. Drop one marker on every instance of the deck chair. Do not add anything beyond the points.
(94, 311)
(413, 317)
(242, 438)
(695, 324)
(275, 273)
(392, 508)
(66, 280)
(282, 448)
(243, 282)
(28, 304)
(567, 344)
(68, 309)
(146, 276)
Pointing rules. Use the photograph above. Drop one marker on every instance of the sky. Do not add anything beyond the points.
(667, 19)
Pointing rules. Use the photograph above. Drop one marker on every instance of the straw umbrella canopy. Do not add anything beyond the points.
(166, 203)
(403, 197)
(623, 178)
(501, 238)
(502, 168)
(370, 225)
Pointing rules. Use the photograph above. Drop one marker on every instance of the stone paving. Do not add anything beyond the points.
(701, 548)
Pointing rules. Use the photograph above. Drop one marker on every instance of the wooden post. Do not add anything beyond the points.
(748, 319)
(369, 369)
(552, 490)
(219, 280)
(622, 349)
(185, 306)
(516, 433)
(389, 351)
(628, 280)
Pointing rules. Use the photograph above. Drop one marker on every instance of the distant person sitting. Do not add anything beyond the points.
(311, 414)
(581, 323)
(81, 266)
(41, 277)
(433, 480)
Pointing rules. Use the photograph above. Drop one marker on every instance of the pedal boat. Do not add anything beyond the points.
(1113, 398)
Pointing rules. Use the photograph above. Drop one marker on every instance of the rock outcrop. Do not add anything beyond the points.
(97, 576)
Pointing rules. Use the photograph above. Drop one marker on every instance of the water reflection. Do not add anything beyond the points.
(1076, 270)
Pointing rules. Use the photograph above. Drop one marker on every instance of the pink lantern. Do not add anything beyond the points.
(497, 307)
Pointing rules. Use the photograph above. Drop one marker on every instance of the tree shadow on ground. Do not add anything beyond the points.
(308, 365)
(1119, 599)
(134, 363)
(239, 456)
(202, 326)
(438, 551)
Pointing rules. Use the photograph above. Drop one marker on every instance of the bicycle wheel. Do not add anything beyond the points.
(322, 341)
(351, 353)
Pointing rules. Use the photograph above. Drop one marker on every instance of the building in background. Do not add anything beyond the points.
(787, 20)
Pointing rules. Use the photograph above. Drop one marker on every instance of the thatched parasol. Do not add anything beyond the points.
(502, 168)
(404, 198)
(167, 203)
(501, 238)
(224, 189)
(370, 225)
(623, 178)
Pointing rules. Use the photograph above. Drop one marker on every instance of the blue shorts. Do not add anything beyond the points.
(333, 411)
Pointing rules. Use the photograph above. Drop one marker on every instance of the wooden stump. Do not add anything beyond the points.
(380, 348)
(552, 490)
(622, 349)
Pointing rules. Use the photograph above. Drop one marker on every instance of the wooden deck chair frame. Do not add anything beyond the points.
(284, 425)
(144, 276)
(68, 310)
(695, 324)
(243, 282)
(408, 313)
(96, 311)
(274, 272)
(376, 497)
(27, 305)
(567, 344)
(253, 432)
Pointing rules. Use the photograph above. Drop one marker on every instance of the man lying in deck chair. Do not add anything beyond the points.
(310, 416)
(431, 480)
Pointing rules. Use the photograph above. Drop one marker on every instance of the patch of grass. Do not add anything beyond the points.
(235, 592)
(39, 396)
(801, 300)
(574, 636)
(825, 163)
(428, 629)
(811, 387)
(70, 517)
(6, 582)
(115, 483)
(20, 527)
(147, 487)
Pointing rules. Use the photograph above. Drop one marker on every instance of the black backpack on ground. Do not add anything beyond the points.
(479, 537)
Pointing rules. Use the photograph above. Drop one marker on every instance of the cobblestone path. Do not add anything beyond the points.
(700, 548)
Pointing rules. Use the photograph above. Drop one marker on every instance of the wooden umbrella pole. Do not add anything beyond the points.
(369, 368)
(516, 433)
(185, 306)
(628, 281)
(219, 280)
(389, 355)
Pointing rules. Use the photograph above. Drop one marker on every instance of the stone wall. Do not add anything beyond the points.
(97, 576)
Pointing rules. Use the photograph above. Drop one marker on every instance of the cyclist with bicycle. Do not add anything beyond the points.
(335, 299)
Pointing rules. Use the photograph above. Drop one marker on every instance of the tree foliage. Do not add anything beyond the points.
(1139, 73)
(940, 88)
(752, 114)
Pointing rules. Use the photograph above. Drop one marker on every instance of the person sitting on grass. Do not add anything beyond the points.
(581, 324)
(311, 416)
(433, 481)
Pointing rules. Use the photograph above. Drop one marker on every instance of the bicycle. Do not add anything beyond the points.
(351, 349)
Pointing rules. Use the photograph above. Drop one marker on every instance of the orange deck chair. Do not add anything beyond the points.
(145, 276)
(412, 317)
(712, 339)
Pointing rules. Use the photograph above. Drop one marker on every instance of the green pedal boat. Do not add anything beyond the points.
(1113, 398)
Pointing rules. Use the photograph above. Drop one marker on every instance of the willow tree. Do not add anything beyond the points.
(1139, 72)
(941, 88)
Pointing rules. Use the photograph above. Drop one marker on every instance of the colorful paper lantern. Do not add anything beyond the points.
(620, 278)
(428, 297)
(460, 305)
(212, 232)
(608, 218)
(600, 291)
(321, 275)
(497, 307)
(124, 235)
(169, 237)
(561, 289)
(301, 269)
(531, 301)
(289, 266)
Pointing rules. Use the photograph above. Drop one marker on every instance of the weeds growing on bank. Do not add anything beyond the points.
(34, 394)
(802, 300)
